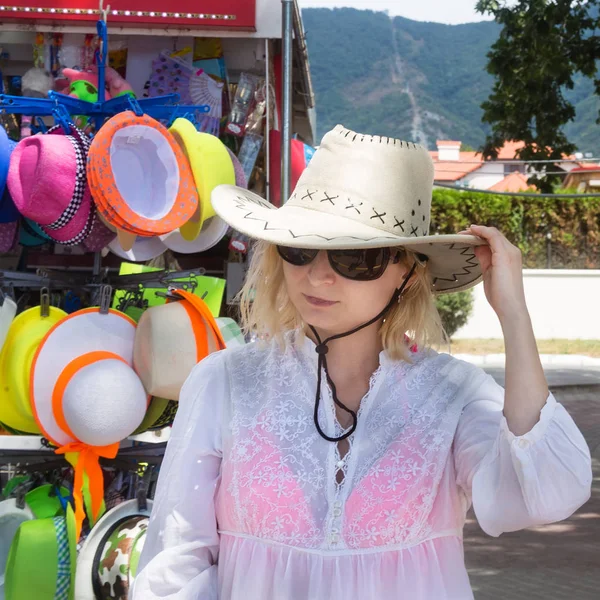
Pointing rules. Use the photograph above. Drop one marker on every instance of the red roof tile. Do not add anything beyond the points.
(514, 182)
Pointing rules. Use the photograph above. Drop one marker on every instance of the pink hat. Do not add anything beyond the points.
(48, 184)
(99, 236)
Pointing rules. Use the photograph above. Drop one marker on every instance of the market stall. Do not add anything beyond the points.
(116, 276)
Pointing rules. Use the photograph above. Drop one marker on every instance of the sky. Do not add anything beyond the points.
(439, 11)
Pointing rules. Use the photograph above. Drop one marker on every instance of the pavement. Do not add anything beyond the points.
(553, 562)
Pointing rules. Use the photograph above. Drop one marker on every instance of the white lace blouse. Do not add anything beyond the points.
(249, 507)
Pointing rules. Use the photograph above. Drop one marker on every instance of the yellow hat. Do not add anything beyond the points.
(211, 166)
(24, 336)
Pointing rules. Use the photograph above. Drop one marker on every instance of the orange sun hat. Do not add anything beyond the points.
(140, 178)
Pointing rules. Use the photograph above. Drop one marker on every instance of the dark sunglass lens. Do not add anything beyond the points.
(361, 265)
(296, 256)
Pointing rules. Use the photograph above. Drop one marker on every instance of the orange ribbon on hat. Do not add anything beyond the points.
(88, 463)
(88, 456)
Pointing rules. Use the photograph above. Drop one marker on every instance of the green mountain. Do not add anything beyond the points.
(413, 80)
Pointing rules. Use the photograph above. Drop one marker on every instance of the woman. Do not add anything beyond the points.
(335, 459)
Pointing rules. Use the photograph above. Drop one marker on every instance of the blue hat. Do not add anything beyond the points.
(31, 234)
(8, 210)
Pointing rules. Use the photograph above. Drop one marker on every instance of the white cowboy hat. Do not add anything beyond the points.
(171, 339)
(95, 545)
(11, 517)
(8, 310)
(358, 191)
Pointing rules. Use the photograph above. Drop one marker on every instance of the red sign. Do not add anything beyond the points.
(198, 14)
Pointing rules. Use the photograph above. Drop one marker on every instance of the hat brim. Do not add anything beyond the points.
(24, 336)
(12, 516)
(84, 589)
(452, 261)
(142, 250)
(84, 331)
(213, 231)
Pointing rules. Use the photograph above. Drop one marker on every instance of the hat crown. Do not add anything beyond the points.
(379, 181)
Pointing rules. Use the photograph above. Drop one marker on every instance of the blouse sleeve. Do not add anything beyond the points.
(179, 558)
(516, 482)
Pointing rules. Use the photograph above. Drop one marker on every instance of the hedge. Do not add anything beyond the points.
(573, 225)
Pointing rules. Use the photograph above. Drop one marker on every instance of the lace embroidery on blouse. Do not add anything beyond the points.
(279, 475)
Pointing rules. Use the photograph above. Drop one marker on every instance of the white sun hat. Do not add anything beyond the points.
(8, 310)
(171, 340)
(143, 249)
(359, 191)
(126, 513)
(11, 517)
(85, 395)
(212, 232)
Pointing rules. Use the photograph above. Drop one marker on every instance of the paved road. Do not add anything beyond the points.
(554, 562)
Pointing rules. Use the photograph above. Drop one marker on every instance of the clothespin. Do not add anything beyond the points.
(44, 303)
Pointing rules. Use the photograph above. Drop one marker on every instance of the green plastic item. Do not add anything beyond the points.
(211, 289)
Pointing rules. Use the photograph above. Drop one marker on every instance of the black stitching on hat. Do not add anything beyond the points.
(414, 231)
(309, 195)
(378, 216)
(354, 206)
(329, 199)
(399, 224)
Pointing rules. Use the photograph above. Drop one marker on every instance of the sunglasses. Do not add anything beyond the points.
(359, 265)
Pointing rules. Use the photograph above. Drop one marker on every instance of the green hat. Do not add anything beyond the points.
(42, 558)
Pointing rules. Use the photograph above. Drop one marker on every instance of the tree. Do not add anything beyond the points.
(542, 45)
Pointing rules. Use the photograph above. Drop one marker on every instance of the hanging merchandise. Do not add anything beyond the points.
(242, 104)
(142, 250)
(48, 183)
(108, 559)
(301, 154)
(213, 229)
(85, 395)
(178, 334)
(9, 215)
(173, 75)
(8, 311)
(249, 152)
(42, 558)
(147, 187)
(211, 166)
(24, 336)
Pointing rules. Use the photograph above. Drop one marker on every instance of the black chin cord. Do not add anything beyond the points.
(322, 350)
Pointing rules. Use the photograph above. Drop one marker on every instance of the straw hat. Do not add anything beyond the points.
(140, 178)
(211, 166)
(85, 395)
(108, 559)
(359, 191)
(42, 558)
(24, 336)
(170, 340)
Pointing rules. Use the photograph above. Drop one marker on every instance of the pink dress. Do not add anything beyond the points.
(249, 507)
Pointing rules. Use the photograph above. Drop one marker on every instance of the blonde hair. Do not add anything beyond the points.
(267, 311)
